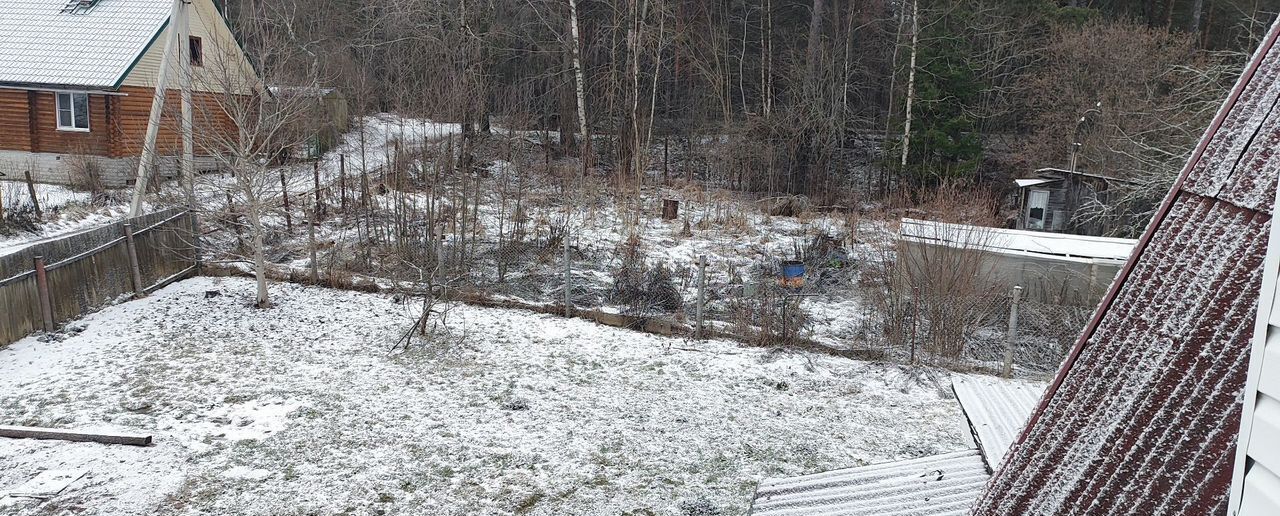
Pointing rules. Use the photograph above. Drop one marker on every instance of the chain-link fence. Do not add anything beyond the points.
(823, 299)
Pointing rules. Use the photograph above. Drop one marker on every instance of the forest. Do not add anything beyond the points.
(840, 101)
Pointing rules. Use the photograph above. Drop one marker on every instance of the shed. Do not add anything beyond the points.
(328, 119)
(1050, 199)
(1051, 268)
(1143, 416)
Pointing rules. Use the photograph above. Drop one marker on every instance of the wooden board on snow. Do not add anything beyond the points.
(48, 483)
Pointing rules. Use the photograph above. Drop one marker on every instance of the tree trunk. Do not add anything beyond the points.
(911, 81)
(253, 210)
(580, 87)
(815, 33)
(1197, 9)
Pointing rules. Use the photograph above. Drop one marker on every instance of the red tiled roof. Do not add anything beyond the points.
(1142, 418)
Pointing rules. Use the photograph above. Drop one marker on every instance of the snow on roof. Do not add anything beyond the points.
(42, 45)
(1062, 246)
(1143, 415)
(944, 484)
(997, 410)
(1023, 183)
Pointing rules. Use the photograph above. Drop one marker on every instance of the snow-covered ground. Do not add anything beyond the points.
(369, 146)
(66, 211)
(303, 409)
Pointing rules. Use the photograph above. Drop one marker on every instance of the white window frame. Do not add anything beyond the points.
(57, 111)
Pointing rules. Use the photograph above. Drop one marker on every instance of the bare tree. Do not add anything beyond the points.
(242, 125)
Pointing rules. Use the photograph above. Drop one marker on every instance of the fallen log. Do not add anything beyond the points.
(31, 432)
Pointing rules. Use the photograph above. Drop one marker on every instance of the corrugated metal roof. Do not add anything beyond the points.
(41, 45)
(944, 484)
(997, 409)
(1062, 246)
(1143, 416)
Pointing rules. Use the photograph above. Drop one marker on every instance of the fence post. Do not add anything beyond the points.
(702, 294)
(284, 191)
(42, 290)
(1012, 336)
(197, 252)
(31, 189)
(915, 320)
(139, 289)
(568, 269)
(342, 179)
(315, 171)
(311, 232)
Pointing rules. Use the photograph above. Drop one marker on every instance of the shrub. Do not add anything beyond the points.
(640, 289)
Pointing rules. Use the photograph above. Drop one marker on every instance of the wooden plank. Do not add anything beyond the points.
(31, 432)
(48, 483)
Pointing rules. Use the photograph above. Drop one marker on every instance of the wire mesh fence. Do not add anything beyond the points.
(821, 300)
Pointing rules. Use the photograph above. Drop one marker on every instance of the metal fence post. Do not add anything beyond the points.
(1012, 336)
(139, 289)
(702, 293)
(568, 270)
(311, 235)
(42, 290)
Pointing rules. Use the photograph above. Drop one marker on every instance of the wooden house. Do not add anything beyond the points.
(77, 80)
(1051, 198)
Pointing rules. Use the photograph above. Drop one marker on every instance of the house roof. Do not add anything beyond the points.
(40, 45)
(1143, 415)
(944, 484)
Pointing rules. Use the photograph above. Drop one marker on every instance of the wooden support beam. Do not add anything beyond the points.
(31, 432)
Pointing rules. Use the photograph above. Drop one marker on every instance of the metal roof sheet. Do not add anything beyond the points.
(1142, 418)
(997, 410)
(1018, 242)
(944, 484)
(41, 45)
(1023, 183)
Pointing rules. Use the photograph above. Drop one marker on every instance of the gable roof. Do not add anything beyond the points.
(40, 45)
(1142, 417)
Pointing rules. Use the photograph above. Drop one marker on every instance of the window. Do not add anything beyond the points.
(1037, 203)
(197, 51)
(73, 111)
(79, 6)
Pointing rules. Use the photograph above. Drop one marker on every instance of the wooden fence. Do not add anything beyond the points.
(48, 283)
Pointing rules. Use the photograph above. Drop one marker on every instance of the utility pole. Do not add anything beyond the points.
(187, 167)
(157, 107)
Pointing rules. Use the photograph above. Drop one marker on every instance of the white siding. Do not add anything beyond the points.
(1261, 493)
(1255, 489)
